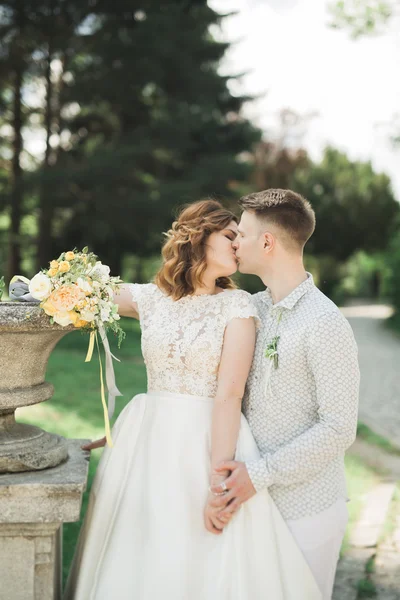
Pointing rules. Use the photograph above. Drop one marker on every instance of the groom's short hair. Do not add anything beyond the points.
(284, 208)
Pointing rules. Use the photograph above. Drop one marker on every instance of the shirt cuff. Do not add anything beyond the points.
(258, 473)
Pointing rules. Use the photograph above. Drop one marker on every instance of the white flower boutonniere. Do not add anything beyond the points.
(271, 351)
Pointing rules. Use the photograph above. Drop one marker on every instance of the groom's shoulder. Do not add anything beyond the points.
(318, 307)
(318, 302)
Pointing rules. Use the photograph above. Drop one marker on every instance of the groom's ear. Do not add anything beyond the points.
(268, 241)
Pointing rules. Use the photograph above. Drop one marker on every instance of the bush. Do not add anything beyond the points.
(364, 276)
(393, 264)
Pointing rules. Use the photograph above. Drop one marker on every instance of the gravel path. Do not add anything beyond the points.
(379, 355)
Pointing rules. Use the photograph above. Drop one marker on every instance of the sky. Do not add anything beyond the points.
(292, 59)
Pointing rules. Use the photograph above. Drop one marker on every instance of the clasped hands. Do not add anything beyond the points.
(230, 487)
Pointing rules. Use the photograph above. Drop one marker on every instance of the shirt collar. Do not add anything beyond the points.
(291, 300)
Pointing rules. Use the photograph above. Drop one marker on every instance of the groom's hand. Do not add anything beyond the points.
(238, 485)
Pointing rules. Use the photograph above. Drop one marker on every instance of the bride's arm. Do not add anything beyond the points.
(126, 306)
(236, 358)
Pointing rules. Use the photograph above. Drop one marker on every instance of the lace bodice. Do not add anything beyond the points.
(182, 340)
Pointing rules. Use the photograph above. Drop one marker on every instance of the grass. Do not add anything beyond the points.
(391, 517)
(366, 589)
(75, 411)
(393, 323)
(360, 480)
(366, 434)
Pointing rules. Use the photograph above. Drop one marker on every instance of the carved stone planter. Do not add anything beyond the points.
(26, 341)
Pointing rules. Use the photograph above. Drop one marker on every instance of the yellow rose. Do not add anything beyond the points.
(75, 317)
(69, 255)
(54, 264)
(52, 272)
(80, 323)
(49, 308)
(64, 266)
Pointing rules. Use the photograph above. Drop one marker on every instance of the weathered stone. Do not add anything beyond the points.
(33, 507)
(26, 340)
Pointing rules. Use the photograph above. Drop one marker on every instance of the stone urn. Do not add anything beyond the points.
(26, 340)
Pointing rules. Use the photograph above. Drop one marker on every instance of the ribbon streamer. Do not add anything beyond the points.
(112, 389)
(267, 377)
(103, 399)
(90, 347)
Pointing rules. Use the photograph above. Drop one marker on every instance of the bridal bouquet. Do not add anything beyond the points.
(78, 290)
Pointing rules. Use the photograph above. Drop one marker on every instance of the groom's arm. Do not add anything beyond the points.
(333, 364)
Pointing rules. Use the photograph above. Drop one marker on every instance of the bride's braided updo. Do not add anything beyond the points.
(184, 252)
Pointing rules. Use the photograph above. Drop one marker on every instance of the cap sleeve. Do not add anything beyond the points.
(141, 293)
(241, 306)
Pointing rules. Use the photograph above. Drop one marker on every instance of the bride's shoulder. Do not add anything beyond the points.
(239, 303)
(237, 294)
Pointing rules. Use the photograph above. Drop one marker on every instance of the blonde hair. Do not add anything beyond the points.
(286, 209)
(184, 252)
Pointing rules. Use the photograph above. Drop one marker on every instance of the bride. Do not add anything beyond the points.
(149, 532)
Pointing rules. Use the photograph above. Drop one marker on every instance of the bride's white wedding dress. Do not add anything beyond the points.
(143, 536)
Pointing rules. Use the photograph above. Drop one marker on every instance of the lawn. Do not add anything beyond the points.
(75, 410)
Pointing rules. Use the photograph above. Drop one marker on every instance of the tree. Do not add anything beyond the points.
(362, 17)
(354, 205)
(32, 34)
(154, 125)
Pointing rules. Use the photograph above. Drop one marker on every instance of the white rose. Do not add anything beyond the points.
(105, 314)
(88, 315)
(116, 317)
(84, 285)
(40, 286)
(100, 271)
(62, 318)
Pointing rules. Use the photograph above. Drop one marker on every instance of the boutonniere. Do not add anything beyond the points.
(271, 351)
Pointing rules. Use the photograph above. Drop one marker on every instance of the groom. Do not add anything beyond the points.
(301, 400)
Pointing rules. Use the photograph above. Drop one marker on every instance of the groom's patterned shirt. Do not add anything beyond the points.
(303, 414)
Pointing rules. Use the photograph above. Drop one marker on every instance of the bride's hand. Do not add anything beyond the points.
(96, 444)
(211, 521)
(212, 515)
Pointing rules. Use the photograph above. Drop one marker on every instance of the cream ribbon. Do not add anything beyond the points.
(110, 378)
(112, 389)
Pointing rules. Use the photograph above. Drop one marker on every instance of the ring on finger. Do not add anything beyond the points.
(218, 493)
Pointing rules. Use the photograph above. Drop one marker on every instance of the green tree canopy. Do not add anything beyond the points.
(354, 205)
(362, 17)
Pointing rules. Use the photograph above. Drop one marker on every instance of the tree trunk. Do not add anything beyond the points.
(14, 251)
(44, 252)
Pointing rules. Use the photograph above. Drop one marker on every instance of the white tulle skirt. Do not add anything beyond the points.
(143, 537)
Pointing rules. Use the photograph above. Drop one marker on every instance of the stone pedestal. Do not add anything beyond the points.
(26, 340)
(33, 507)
